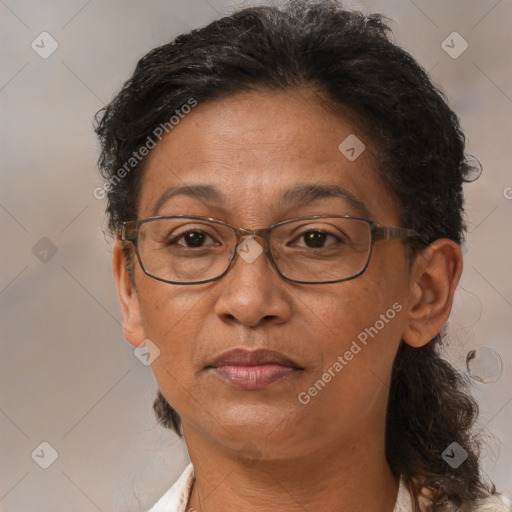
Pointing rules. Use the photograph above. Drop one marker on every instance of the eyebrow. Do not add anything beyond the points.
(300, 194)
(309, 193)
(204, 192)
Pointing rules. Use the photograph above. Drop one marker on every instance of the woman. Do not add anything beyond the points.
(285, 187)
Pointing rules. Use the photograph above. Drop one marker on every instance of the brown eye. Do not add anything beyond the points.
(317, 239)
(191, 239)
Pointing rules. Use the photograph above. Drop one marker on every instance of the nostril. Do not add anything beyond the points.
(264, 320)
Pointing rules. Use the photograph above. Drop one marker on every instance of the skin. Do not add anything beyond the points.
(264, 450)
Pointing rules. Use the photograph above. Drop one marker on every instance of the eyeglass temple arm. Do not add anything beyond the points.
(128, 231)
(387, 232)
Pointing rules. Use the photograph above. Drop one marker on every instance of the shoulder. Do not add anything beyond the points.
(495, 503)
(176, 498)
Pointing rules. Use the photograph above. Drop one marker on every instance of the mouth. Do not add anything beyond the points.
(253, 369)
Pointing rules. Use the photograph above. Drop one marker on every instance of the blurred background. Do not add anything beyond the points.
(77, 428)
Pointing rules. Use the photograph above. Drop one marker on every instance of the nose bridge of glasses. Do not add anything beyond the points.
(243, 233)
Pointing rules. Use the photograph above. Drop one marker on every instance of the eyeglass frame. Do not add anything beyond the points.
(129, 232)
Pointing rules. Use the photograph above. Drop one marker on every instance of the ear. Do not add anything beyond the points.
(434, 276)
(130, 309)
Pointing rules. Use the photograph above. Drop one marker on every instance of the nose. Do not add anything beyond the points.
(252, 292)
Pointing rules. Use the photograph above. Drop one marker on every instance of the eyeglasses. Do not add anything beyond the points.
(322, 249)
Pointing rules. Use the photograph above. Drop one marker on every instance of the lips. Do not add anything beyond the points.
(242, 357)
(253, 369)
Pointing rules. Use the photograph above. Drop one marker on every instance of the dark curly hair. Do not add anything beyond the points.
(351, 63)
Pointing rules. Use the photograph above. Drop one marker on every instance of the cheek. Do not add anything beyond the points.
(350, 386)
(344, 310)
(172, 321)
(361, 321)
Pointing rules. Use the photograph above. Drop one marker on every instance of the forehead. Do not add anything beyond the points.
(254, 148)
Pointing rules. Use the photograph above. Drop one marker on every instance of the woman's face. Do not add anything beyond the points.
(252, 149)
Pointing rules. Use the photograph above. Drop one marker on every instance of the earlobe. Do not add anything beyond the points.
(128, 298)
(435, 274)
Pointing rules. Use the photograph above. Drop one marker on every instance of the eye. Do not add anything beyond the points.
(317, 238)
(192, 239)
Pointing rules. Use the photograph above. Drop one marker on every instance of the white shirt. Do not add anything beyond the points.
(176, 498)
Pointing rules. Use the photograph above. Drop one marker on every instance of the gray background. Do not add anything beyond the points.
(67, 377)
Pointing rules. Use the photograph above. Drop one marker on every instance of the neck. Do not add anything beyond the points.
(350, 476)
